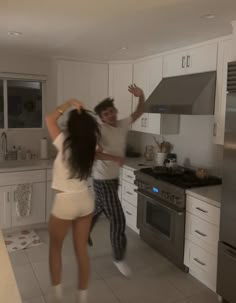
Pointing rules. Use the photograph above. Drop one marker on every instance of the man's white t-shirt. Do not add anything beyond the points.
(61, 173)
(113, 142)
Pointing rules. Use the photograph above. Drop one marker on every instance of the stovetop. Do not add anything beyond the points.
(170, 184)
(180, 177)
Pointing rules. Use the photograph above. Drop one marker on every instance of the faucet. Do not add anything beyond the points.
(4, 144)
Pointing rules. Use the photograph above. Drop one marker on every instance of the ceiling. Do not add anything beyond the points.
(98, 29)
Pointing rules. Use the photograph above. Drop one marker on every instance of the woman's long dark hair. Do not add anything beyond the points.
(80, 144)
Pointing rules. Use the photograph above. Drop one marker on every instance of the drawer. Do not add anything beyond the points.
(31, 176)
(130, 215)
(202, 233)
(202, 265)
(128, 175)
(203, 210)
(49, 174)
(129, 194)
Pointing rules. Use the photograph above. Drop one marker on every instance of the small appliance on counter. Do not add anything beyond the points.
(130, 153)
(161, 207)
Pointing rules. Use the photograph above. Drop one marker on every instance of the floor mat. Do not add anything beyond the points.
(21, 240)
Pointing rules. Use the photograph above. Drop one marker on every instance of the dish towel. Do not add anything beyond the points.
(23, 196)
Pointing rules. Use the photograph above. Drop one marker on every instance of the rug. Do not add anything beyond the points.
(21, 240)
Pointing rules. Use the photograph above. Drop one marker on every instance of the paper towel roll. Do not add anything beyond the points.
(44, 148)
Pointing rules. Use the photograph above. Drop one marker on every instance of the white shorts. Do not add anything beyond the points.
(69, 206)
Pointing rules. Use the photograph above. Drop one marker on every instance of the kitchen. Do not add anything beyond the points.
(92, 79)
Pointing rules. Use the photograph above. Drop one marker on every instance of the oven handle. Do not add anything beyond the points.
(139, 192)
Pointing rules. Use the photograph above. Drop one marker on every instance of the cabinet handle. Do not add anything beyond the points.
(128, 176)
(128, 213)
(129, 193)
(200, 233)
(183, 62)
(215, 129)
(146, 120)
(188, 61)
(142, 122)
(202, 210)
(201, 263)
(8, 196)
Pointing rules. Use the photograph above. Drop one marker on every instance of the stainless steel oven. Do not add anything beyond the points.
(162, 226)
(162, 206)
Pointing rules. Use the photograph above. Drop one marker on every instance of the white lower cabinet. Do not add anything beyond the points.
(129, 198)
(201, 240)
(8, 186)
(37, 213)
(5, 206)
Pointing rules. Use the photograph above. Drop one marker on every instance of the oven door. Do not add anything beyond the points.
(162, 227)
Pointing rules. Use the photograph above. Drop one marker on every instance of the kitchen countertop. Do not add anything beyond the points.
(134, 163)
(9, 292)
(208, 194)
(13, 166)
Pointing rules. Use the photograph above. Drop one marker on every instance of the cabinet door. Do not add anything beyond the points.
(5, 206)
(37, 214)
(87, 82)
(201, 59)
(174, 64)
(155, 72)
(49, 199)
(141, 80)
(225, 51)
(120, 77)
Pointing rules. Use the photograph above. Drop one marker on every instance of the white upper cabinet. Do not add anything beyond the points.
(87, 82)
(225, 55)
(120, 77)
(147, 75)
(190, 61)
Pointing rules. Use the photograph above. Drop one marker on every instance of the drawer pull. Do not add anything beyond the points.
(202, 210)
(130, 177)
(128, 213)
(200, 233)
(129, 193)
(201, 263)
(231, 254)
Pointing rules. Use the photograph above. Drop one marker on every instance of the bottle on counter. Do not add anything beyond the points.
(19, 153)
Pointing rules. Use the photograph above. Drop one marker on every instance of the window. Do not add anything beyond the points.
(24, 106)
(1, 105)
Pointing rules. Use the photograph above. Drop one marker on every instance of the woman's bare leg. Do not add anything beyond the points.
(81, 229)
(58, 229)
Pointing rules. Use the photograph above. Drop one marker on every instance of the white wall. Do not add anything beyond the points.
(12, 63)
(194, 142)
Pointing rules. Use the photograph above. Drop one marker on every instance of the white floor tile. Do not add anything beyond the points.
(27, 282)
(35, 300)
(18, 258)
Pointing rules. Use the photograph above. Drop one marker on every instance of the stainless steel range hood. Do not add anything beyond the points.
(185, 95)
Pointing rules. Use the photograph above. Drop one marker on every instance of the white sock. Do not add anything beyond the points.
(83, 296)
(123, 268)
(57, 291)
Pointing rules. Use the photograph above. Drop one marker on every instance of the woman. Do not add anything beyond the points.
(73, 203)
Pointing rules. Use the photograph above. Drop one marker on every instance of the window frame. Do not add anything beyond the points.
(5, 78)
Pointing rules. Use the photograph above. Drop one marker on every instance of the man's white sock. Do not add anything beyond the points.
(83, 296)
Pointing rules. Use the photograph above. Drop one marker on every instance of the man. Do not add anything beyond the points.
(106, 172)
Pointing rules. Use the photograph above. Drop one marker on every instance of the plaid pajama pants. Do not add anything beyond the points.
(108, 202)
